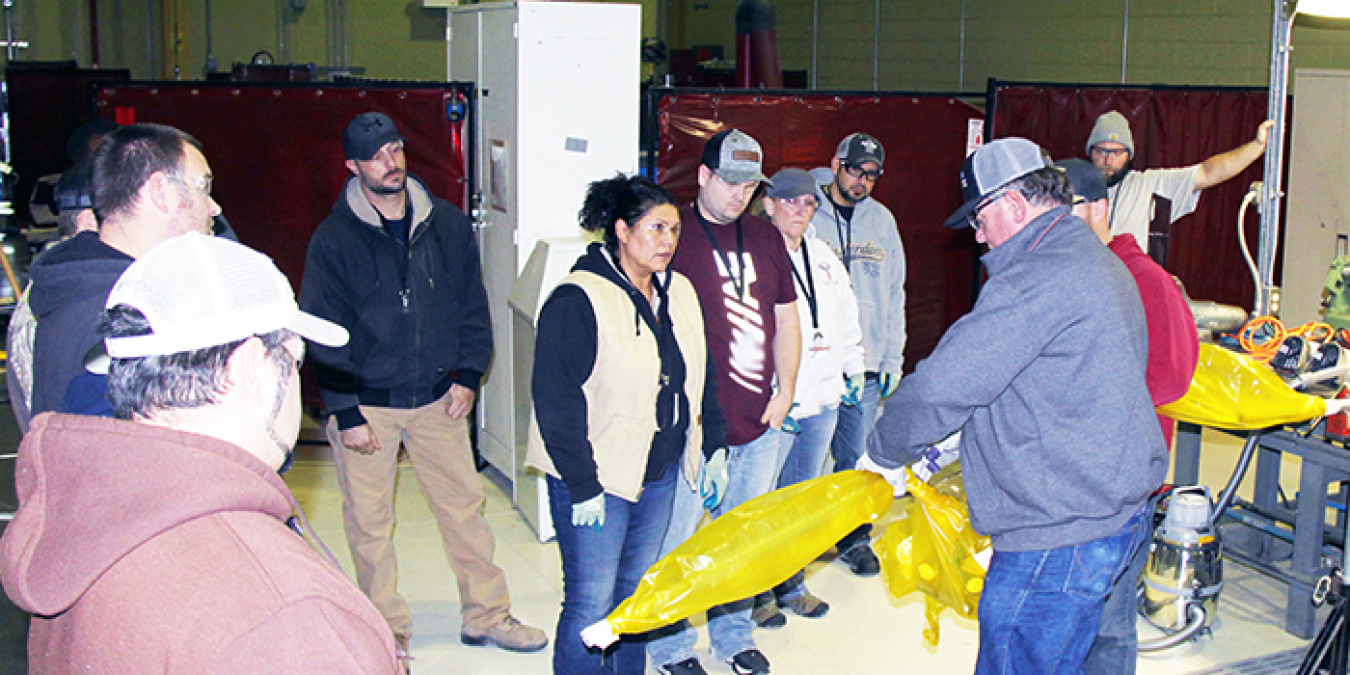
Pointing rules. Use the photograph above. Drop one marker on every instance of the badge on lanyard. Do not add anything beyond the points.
(818, 344)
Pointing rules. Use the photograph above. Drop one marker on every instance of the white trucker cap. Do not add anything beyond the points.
(199, 291)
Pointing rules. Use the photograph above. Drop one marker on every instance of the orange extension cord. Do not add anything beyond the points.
(1262, 336)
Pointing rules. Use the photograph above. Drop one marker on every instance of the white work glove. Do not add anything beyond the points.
(896, 477)
(590, 512)
(934, 459)
(853, 389)
(712, 481)
(887, 383)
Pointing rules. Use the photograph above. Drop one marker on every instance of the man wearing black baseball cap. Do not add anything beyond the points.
(1045, 380)
(862, 233)
(398, 267)
(1173, 350)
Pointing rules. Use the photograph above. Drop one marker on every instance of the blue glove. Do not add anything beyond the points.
(888, 383)
(590, 512)
(853, 389)
(790, 425)
(712, 482)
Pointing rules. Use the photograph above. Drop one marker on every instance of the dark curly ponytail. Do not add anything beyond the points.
(626, 198)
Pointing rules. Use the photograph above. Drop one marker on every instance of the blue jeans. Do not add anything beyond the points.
(1116, 649)
(601, 567)
(752, 470)
(1040, 610)
(805, 460)
(850, 442)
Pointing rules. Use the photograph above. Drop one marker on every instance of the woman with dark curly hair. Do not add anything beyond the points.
(624, 403)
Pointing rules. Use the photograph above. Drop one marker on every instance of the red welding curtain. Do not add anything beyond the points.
(925, 141)
(1172, 127)
(48, 102)
(276, 150)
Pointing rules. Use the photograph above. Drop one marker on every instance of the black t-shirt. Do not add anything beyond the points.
(398, 229)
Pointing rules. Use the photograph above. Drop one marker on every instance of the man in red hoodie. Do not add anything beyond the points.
(1173, 349)
(163, 540)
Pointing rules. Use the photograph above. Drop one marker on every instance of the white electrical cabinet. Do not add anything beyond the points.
(1317, 223)
(557, 107)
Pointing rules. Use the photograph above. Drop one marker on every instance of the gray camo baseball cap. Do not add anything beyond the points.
(734, 156)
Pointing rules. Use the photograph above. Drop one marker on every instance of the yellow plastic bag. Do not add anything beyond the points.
(747, 551)
(933, 550)
(1232, 391)
(895, 550)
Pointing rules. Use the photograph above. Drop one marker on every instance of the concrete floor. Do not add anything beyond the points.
(865, 630)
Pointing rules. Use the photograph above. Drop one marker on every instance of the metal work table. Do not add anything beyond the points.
(1324, 463)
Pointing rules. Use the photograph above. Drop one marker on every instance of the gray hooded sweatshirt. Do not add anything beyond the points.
(876, 265)
(1045, 377)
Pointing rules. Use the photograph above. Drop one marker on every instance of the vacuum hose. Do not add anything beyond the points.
(1195, 620)
(1230, 490)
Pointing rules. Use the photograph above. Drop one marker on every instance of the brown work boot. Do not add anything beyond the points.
(510, 634)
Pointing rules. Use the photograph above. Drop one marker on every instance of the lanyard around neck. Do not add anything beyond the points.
(737, 278)
(844, 228)
(808, 286)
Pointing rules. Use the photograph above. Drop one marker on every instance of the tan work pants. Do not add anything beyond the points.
(443, 461)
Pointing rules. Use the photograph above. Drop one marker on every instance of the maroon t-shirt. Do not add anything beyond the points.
(740, 322)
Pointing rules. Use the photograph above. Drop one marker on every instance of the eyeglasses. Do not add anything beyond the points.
(859, 172)
(800, 202)
(204, 183)
(659, 228)
(1109, 152)
(974, 216)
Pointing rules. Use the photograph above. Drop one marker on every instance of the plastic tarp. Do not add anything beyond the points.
(933, 549)
(747, 551)
(1232, 391)
(925, 138)
(1172, 127)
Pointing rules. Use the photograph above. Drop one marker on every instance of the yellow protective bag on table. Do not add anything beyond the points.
(747, 551)
(1232, 391)
(933, 550)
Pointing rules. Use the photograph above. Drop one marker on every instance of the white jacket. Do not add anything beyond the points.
(820, 378)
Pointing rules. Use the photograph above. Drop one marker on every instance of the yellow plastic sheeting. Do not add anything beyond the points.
(747, 551)
(1232, 391)
(932, 549)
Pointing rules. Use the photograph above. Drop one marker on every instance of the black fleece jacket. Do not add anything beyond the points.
(417, 312)
(564, 357)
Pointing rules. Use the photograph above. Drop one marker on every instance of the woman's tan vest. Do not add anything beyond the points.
(621, 391)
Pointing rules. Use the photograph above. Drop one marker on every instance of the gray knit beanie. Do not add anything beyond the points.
(1111, 126)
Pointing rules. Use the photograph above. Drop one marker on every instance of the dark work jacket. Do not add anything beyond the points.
(71, 282)
(417, 312)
